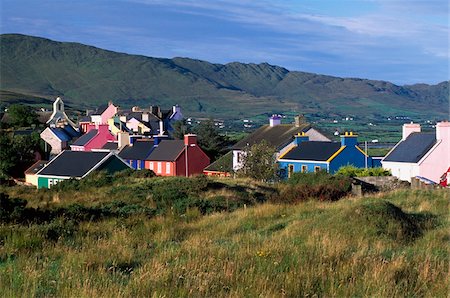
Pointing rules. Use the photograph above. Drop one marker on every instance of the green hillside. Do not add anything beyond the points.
(86, 76)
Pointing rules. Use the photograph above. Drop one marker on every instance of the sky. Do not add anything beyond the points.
(402, 41)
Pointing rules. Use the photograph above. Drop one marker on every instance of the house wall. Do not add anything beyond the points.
(237, 159)
(31, 179)
(97, 119)
(48, 182)
(349, 156)
(56, 144)
(437, 161)
(402, 170)
(197, 160)
(161, 168)
(108, 113)
(284, 166)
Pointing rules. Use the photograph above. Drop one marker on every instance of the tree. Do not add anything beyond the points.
(210, 139)
(17, 153)
(180, 128)
(21, 116)
(258, 162)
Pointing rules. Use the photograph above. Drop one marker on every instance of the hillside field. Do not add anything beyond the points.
(143, 237)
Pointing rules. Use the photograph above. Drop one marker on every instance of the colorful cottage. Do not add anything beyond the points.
(307, 156)
(278, 135)
(58, 138)
(177, 157)
(420, 153)
(77, 164)
(30, 173)
(221, 167)
(95, 138)
(135, 154)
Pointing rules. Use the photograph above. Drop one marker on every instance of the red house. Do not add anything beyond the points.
(177, 158)
(95, 138)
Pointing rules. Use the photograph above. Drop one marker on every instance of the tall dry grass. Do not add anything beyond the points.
(353, 247)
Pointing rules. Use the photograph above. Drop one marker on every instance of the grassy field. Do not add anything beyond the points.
(393, 244)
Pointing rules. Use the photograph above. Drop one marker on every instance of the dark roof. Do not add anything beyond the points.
(111, 145)
(36, 167)
(167, 150)
(122, 127)
(84, 119)
(413, 148)
(81, 141)
(223, 164)
(318, 151)
(100, 109)
(71, 131)
(60, 133)
(73, 163)
(139, 151)
(277, 136)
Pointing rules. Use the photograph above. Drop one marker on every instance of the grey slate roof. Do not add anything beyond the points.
(81, 141)
(139, 151)
(413, 148)
(316, 151)
(277, 136)
(73, 163)
(167, 150)
(111, 145)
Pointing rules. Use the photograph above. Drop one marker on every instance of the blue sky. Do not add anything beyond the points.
(402, 41)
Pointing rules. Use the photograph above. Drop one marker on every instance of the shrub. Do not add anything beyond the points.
(351, 171)
(320, 186)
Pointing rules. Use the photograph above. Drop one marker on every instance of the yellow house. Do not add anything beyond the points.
(30, 173)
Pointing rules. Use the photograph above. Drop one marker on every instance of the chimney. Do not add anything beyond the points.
(161, 127)
(103, 129)
(145, 117)
(123, 139)
(349, 139)
(409, 128)
(299, 120)
(443, 131)
(300, 137)
(90, 127)
(190, 140)
(155, 111)
(274, 120)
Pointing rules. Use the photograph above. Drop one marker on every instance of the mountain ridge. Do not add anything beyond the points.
(87, 75)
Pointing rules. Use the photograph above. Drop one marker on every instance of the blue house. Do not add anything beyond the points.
(309, 156)
(136, 153)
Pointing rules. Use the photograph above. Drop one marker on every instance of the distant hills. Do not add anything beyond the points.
(33, 67)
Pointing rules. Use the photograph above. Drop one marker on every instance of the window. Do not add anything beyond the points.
(239, 157)
(151, 165)
(138, 164)
(159, 168)
(304, 169)
(290, 170)
(167, 167)
(316, 169)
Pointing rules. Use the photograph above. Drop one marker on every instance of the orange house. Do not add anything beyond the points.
(177, 158)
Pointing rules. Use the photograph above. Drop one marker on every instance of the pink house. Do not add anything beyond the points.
(420, 153)
(103, 113)
(95, 138)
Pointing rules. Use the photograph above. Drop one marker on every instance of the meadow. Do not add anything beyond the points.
(223, 238)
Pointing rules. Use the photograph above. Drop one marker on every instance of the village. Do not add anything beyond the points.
(113, 139)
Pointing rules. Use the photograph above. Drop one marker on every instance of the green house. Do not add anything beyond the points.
(78, 164)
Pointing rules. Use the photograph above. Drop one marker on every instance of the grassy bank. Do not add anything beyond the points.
(395, 244)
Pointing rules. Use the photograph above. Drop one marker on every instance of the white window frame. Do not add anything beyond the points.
(167, 167)
(151, 165)
(159, 170)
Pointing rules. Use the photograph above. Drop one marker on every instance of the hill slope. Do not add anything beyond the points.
(87, 76)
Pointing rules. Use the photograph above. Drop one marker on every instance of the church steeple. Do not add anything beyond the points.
(58, 116)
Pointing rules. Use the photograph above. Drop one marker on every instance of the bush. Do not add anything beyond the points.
(351, 171)
(319, 186)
